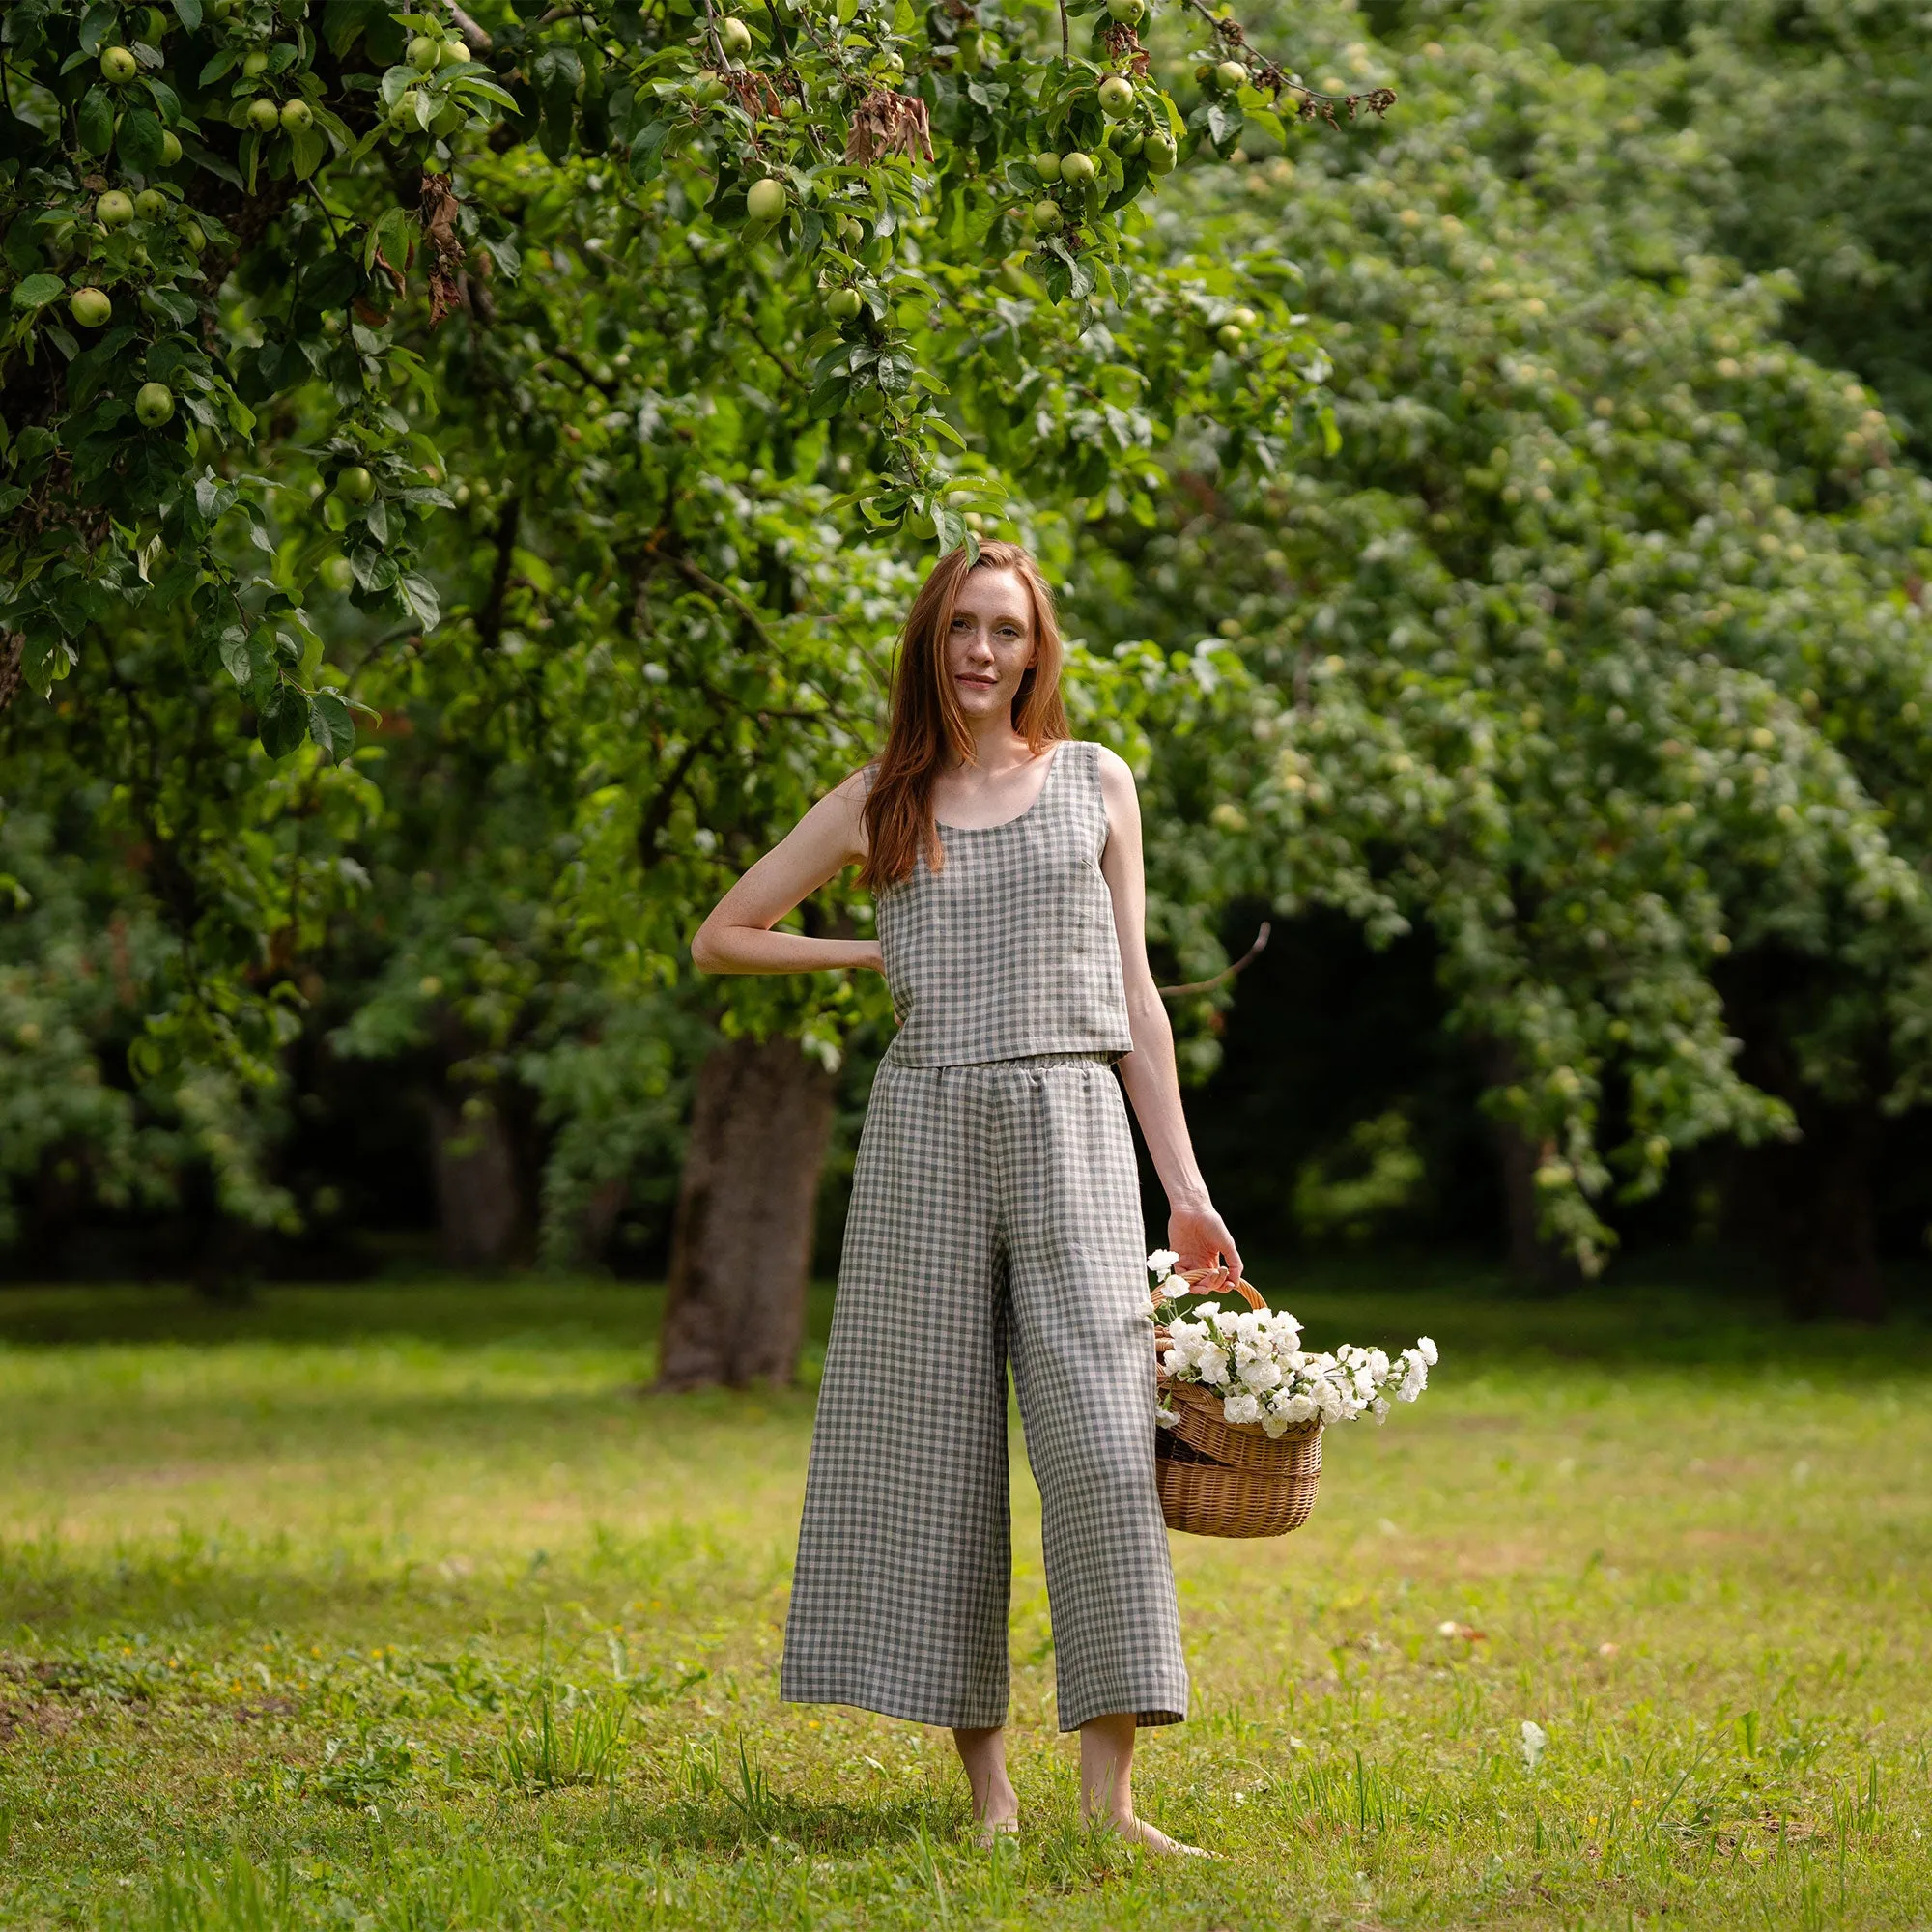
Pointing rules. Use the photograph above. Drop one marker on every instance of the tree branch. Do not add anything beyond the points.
(476, 38)
(1240, 965)
(490, 619)
(1278, 80)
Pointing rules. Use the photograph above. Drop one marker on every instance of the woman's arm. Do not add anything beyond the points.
(1194, 1230)
(738, 935)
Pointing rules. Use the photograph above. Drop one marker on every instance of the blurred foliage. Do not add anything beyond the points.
(1500, 552)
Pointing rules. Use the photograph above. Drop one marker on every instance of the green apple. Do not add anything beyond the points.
(1228, 335)
(842, 304)
(296, 115)
(114, 209)
(452, 53)
(404, 114)
(194, 236)
(1126, 12)
(265, 116)
(423, 53)
(851, 232)
(1046, 217)
(1012, 279)
(1231, 74)
(1117, 95)
(355, 485)
(1242, 317)
(151, 204)
(89, 308)
(890, 62)
(734, 37)
(1046, 165)
(118, 66)
(708, 86)
(1159, 154)
(1076, 168)
(254, 64)
(337, 574)
(765, 200)
(171, 148)
(155, 404)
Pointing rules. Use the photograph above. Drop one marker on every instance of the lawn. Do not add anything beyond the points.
(399, 1606)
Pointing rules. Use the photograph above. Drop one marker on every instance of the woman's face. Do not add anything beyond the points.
(992, 642)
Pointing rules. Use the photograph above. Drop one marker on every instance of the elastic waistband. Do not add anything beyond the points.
(1020, 1063)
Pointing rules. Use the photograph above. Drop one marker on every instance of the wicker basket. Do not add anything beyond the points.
(1220, 1478)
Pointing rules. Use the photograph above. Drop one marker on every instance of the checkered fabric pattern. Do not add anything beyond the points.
(1010, 948)
(996, 1210)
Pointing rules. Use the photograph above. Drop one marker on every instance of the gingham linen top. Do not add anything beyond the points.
(1009, 950)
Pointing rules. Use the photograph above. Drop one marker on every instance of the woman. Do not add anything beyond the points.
(995, 1207)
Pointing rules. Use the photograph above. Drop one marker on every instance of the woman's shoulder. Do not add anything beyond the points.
(1102, 761)
(856, 785)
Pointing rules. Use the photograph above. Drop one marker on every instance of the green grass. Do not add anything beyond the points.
(398, 1607)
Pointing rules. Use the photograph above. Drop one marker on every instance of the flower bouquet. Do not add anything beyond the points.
(1242, 1406)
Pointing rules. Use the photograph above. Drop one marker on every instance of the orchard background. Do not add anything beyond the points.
(460, 468)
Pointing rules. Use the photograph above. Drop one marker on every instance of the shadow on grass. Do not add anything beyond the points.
(722, 1826)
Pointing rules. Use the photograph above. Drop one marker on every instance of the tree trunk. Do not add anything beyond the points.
(480, 1196)
(1532, 1257)
(741, 1244)
(1808, 1206)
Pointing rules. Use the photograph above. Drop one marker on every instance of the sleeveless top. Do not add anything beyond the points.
(1010, 950)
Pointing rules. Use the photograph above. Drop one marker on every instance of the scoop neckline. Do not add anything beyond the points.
(1052, 765)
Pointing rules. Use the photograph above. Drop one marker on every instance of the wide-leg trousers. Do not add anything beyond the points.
(995, 1213)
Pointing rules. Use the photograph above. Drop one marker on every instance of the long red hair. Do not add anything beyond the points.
(928, 731)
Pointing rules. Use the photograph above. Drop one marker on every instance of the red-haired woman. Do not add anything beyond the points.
(995, 1209)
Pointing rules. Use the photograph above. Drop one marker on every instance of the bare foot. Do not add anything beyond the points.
(1137, 1831)
(992, 1830)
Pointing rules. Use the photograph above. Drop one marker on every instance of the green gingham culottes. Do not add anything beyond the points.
(995, 1214)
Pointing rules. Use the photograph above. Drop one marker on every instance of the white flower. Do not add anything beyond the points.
(1176, 1286)
(1262, 1373)
(1426, 1348)
(1534, 1738)
(1161, 1261)
(1214, 1365)
(1298, 1408)
(1207, 1311)
(1165, 1418)
(1239, 1409)
(1382, 1407)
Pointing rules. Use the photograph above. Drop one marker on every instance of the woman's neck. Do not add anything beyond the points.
(997, 748)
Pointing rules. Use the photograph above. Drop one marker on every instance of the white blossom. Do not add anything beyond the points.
(1161, 1261)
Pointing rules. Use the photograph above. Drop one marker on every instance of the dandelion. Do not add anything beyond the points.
(1534, 1738)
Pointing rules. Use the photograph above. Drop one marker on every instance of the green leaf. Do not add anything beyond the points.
(38, 291)
(330, 725)
(187, 13)
(283, 721)
(101, 20)
(308, 149)
(139, 141)
(94, 119)
(419, 594)
(233, 650)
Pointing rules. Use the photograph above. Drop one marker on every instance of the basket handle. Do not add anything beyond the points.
(1243, 1287)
